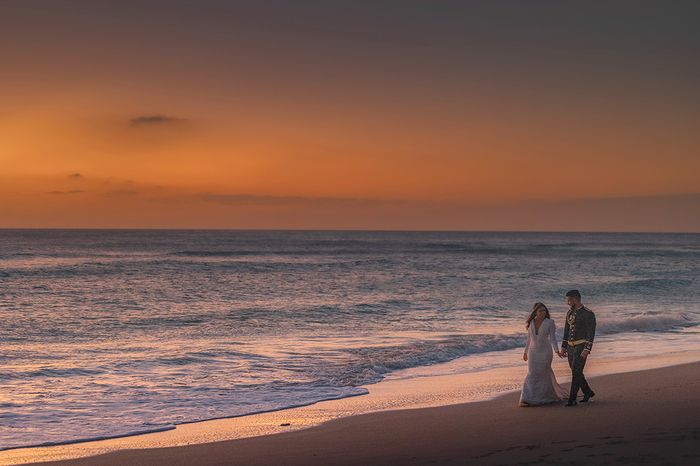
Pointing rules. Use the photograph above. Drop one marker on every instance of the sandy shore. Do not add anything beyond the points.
(638, 417)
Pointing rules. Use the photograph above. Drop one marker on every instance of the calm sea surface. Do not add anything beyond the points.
(112, 332)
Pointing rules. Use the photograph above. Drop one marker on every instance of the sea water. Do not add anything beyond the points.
(112, 332)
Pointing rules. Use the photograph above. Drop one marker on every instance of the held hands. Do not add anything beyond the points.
(524, 356)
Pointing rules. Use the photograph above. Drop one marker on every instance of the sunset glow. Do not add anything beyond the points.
(364, 117)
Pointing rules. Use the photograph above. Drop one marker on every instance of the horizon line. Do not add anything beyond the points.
(343, 230)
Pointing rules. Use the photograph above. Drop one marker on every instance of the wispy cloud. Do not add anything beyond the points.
(149, 120)
(121, 193)
(76, 176)
(73, 191)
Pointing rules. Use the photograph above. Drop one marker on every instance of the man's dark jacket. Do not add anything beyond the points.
(579, 328)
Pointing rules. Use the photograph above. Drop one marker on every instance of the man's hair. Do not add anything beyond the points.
(574, 294)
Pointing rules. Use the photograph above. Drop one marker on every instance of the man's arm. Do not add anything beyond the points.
(590, 333)
(565, 340)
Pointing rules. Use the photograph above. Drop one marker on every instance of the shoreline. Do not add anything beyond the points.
(393, 394)
(627, 422)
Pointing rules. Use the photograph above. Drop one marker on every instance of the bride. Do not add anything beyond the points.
(540, 386)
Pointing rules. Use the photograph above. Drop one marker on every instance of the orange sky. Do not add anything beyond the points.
(323, 118)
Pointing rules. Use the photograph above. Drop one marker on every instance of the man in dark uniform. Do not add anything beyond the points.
(579, 332)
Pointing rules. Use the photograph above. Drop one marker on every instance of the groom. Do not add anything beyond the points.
(579, 332)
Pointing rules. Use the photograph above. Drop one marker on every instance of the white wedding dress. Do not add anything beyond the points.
(540, 386)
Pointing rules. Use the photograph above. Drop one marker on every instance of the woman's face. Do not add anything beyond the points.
(541, 313)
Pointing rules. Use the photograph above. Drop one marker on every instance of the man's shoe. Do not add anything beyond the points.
(571, 403)
(587, 397)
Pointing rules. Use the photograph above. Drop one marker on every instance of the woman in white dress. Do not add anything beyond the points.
(540, 386)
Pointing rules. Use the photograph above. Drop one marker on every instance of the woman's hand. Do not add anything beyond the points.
(524, 356)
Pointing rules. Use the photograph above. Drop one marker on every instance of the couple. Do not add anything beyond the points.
(540, 386)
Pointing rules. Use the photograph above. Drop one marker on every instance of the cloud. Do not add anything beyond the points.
(121, 193)
(74, 191)
(149, 120)
(76, 176)
(280, 200)
(247, 198)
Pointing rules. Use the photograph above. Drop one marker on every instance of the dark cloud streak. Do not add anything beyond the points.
(148, 120)
(74, 191)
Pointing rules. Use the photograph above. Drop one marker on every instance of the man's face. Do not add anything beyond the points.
(571, 301)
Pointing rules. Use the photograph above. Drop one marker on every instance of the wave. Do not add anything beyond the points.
(221, 253)
(390, 249)
(657, 283)
(646, 322)
(88, 439)
(52, 372)
(370, 364)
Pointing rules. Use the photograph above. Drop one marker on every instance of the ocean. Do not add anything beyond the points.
(113, 332)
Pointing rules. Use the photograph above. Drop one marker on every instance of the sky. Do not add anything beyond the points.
(480, 115)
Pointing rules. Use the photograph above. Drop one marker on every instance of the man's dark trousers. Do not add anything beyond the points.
(577, 363)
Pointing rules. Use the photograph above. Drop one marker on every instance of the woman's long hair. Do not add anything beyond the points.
(533, 314)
